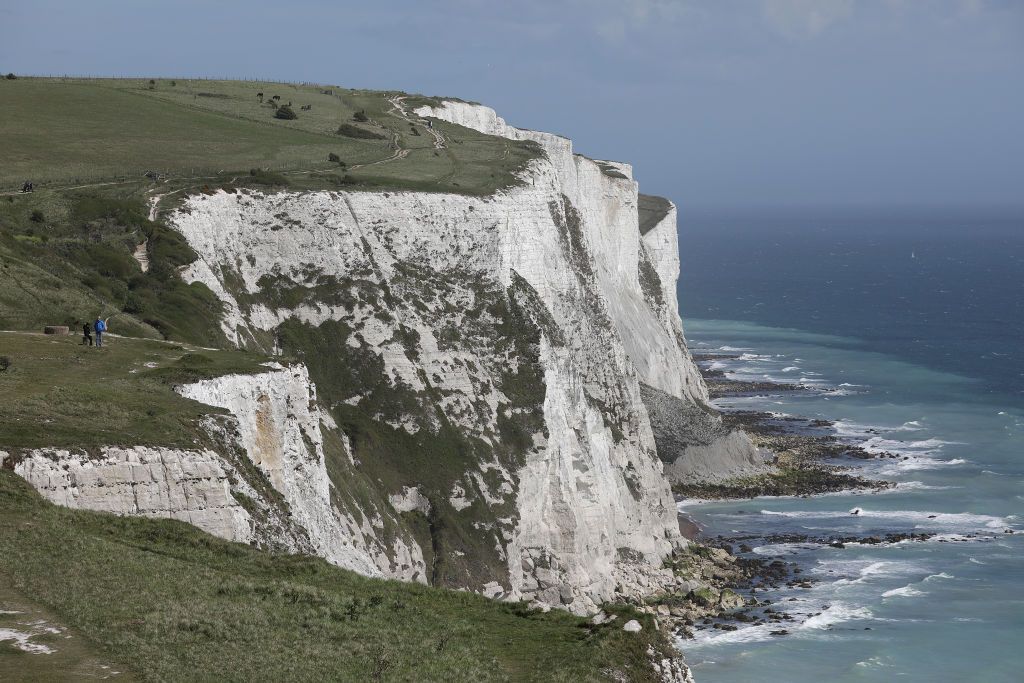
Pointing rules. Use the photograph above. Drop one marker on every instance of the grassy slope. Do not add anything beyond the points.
(58, 393)
(65, 132)
(168, 601)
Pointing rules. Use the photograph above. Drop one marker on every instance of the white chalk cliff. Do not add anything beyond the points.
(486, 370)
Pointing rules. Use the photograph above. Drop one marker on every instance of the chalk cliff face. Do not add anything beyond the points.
(469, 386)
(691, 439)
(279, 426)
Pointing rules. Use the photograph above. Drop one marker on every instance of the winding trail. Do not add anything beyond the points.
(399, 152)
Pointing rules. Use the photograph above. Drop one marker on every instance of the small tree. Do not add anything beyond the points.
(152, 84)
(360, 116)
(10, 77)
(37, 216)
(174, 83)
(333, 158)
(285, 112)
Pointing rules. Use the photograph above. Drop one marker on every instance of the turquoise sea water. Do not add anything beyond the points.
(948, 609)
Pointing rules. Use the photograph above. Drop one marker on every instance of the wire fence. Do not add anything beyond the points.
(133, 174)
(122, 77)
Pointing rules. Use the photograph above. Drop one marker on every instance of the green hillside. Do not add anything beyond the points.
(166, 602)
(67, 132)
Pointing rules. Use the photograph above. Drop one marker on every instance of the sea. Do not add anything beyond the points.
(910, 325)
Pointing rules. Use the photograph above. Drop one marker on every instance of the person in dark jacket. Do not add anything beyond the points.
(100, 326)
(86, 334)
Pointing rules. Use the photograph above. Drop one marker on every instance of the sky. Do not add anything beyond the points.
(714, 102)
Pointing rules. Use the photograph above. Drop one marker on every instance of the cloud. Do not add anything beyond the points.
(615, 20)
(804, 18)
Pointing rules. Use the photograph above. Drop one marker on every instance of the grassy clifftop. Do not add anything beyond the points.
(66, 132)
(167, 602)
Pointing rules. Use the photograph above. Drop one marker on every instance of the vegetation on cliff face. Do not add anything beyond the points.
(406, 437)
(167, 601)
(66, 258)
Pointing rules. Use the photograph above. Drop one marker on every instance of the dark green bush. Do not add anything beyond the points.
(333, 158)
(261, 177)
(360, 116)
(285, 112)
(37, 216)
(350, 131)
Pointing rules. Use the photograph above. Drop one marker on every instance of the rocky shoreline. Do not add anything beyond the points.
(722, 582)
(721, 577)
(806, 453)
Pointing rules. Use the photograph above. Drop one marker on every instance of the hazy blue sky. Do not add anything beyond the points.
(713, 101)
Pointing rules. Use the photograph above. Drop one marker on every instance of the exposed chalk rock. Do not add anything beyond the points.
(279, 428)
(191, 486)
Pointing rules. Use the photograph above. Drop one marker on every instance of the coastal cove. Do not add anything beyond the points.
(946, 608)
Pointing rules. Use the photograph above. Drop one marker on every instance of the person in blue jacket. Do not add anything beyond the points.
(99, 327)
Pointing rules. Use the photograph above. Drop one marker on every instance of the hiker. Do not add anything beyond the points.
(86, 334)
(100, 326)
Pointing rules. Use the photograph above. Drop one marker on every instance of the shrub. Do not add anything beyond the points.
(333, 158)
(174, 83)
(37, 216)
(5, 362)
(261, 177)
(350, 131)
(360, 116)
(285, 112)
(10, 77)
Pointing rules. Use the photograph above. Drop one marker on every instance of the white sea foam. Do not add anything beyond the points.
(784, 548)
(733, 348)
(905, 592)
(878, 444)
(836, 613)
(920, 486)
(757, 356)
(791, 368)
(940, 575)
(961, 520)
(892, 468)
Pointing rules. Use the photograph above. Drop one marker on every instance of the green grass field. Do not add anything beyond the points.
(166, 602)
(67, 132)
(62, 394)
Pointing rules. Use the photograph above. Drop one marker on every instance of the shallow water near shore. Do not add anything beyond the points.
(947, 609)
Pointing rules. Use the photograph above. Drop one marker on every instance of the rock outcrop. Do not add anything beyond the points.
(192, 486)
(278, 425)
